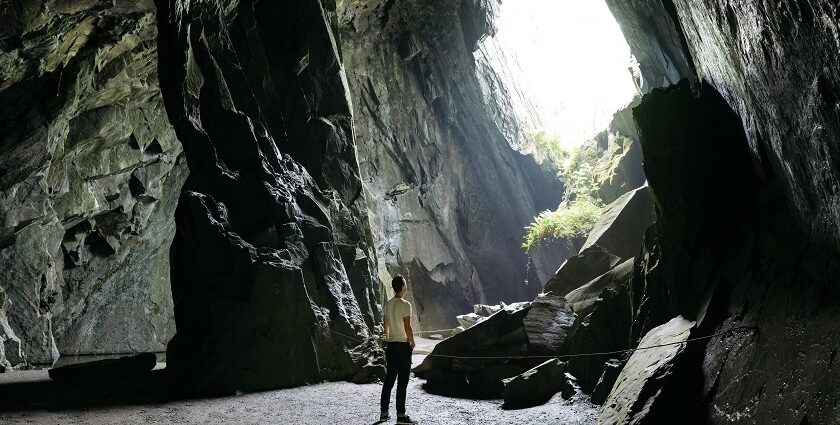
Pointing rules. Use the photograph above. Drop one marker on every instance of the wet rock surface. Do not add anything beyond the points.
(272, 261)
(90, 172)
(635, 393)
(448, 194)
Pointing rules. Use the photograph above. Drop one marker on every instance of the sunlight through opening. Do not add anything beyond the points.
(574, 61)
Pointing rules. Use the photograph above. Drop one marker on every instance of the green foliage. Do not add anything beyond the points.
(577, 167)
(572, 219)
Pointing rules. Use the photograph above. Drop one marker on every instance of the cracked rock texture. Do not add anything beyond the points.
(448, 195)
(90, 172)
(272, 260)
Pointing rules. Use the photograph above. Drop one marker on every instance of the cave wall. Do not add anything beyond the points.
(449, 196)
(90, 172)
(272, 263)
(743, 168)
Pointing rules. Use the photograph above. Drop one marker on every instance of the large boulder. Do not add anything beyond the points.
(485, 338)
(580, 269)
(647, 371)
(537, 385)
(605, 316)
(621, 226)
(551, 253)
(450, 367)
(548, 325)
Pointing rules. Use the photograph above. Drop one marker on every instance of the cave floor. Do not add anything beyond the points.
(28, 397)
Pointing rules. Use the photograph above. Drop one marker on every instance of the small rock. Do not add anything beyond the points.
(536, 386)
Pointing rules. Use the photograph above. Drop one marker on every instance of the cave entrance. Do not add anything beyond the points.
(570, 63)
(572, 83)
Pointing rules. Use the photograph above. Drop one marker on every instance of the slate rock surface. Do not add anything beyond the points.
(272, 261)
(548, 325)
(621, 226)
(90, 172)
(581, 269)
(637, 388)
(605, 316)
(536, 386)
(437, 154)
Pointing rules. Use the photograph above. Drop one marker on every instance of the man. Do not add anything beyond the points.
(400, 342)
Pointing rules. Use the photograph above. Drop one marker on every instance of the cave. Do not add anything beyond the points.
(203, 204)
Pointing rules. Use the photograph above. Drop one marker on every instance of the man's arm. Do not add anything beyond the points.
(385, 322)
(408, 331)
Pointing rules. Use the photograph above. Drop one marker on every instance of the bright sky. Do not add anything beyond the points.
(575, 60)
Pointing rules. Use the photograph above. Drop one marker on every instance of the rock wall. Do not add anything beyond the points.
(90, 172)
(272, 263)
(747, 246)
(449, 197)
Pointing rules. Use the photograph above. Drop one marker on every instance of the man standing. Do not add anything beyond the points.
(400, 342)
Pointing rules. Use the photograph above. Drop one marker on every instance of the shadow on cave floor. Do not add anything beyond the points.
(31, 397)
(34, 390)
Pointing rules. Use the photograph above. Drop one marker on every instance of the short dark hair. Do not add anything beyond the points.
(397, 283)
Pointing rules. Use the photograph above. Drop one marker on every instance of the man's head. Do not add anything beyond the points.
(399, 284)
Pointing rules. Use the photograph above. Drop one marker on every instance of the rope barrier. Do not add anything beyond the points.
(562, 356)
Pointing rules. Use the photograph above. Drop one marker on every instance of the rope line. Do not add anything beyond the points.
(562, 356)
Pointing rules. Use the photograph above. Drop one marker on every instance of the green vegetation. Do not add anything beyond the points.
(582, 176)
(570, 220)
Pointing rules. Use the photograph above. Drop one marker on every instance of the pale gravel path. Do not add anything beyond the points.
(328, 403)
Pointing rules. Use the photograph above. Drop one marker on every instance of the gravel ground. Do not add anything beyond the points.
(334, 403)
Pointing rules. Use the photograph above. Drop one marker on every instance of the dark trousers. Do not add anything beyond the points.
(398, 356)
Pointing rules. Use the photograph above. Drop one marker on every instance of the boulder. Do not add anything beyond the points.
(551, 253)
(105, 370)
(486, 310)
(536, 386)
(580, 269)
(548, 324)
(605, 316)
(621, 226)
(483, 339)
(469, 320)
(646, 372)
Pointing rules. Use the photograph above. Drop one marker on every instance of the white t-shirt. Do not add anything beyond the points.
(395, 310)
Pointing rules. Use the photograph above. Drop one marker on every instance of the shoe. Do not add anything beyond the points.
(384, 416)
(405, 420)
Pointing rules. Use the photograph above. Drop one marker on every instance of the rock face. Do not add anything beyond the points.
(272, 261)
(536, 386)
(501, 335)
(727, 253)
(639, 385)
(622, 224)
(548, 324)
(551, 253)
(605, 316)
(580, 269)
(90, 172)
(448, 195)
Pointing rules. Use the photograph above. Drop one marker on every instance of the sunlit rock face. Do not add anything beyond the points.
(654, 37)
(272, 259)
(448, 195)
(90, 172)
